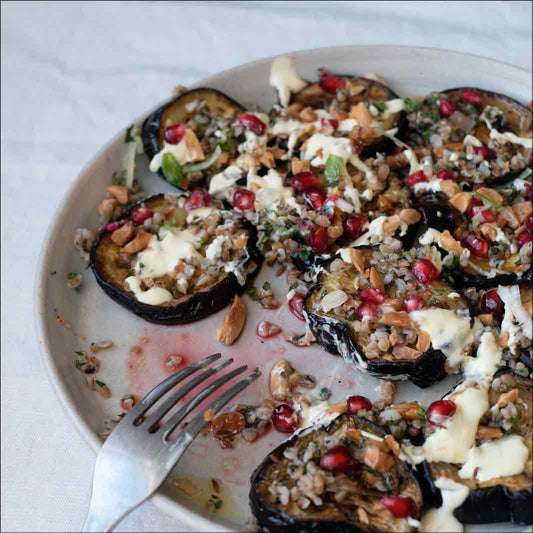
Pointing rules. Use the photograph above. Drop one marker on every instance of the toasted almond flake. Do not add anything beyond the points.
(423, 342)
(120, 192)
(358, 259)
(452, 147)
(461, 201)
(486, 319)
(123, 234)
(410, 216)
(448, 243)
(139, 243)
(209, 415)
(503, 339)
(233, 323)
(449, 187)
(333, 299)
(522, 210)
(488, 231)
(404, 352)
(298, 166)
(396, 318)
(393, 445)
(361, 113)
(508, 397)
(375, 280)
(193, 146)
(491, 194)
(337, 408)
(280, 383)
(362, 515)
(488, 433)
(354, 434)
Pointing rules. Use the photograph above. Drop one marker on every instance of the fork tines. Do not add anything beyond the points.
(152, 421)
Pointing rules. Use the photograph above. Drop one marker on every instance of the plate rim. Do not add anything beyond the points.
(168, 504)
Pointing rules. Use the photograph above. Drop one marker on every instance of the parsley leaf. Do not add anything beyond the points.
(412, 107)
(129, 137)
(324, 394)
(381, 105)
(252, 293)
(334, 168)
(172, 169)
(421, 413)
(266, 286)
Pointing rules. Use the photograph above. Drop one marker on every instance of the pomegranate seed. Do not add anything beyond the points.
(476, 244)
(174, 134)
(398, 506)
(244, 199)
(492, 304)
(112, 226)
(140, 214)
(266, 329)
(487, 153)
(284, 418)
(198, 198)
(523, 239)
(424, 271)
(529, 191)
(315, 198)
(445, 175)
(488, 216)
(252, 123)
(330, 122)
(319, 240)
(373, 295)
(353, 226)
(356, 403)
(529, 223)
(367, 311)
(447, 108)
(329, 83)
(338, 459)
(440, 411)
(416, 177)
(472, 96)
(304, 181)
(413, 302)
(296, 306)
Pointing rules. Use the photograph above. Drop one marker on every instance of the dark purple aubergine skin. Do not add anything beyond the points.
(272, 520)
(489, 505)
(151, 128)
(196, 307)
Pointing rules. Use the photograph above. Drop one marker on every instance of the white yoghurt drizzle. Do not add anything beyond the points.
(285, 78)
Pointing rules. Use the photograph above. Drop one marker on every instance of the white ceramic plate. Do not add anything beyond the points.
(93, 317)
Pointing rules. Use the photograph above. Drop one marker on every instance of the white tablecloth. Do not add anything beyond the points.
(72, 75)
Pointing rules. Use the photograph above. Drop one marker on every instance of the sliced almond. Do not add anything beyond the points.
(501, 222)
(508, 397)
(361, 113)
(452, 147)
(491, 194)
(139, 243)
(488, 231)
(307, 114)
(391, 224)
(404, 352)
(398, 160)
(503, 339)
(250, 161)
(510, 216)
(482, 133)
(408, 410)
(120, 192)
(410, 216)
(358, 259)
(354, 434)
(193, 146)
(522, 210)
(336, 408)
(106, 207)
(280, 383)
(396, 318)
(486, 319)
(384, 203)
(233, 323)
(461, 201)
(298, 166)
(448, 243)
(450, 188)
(375, 280)
(392, 443)
(123, 234)
(488, 433)
(423, 342)
(267, 159)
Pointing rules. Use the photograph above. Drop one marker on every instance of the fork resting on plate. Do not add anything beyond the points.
(139, 454)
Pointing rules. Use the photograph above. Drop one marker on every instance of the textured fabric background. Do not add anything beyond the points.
(72, 74)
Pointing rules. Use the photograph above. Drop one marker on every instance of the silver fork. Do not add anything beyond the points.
(138, 455)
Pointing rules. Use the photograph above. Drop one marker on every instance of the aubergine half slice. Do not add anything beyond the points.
(479, 136)
(492, 226)
(361, 108)
(502, 499)
(361, 309)
(196, 130)
(171, 264)
(335, 478)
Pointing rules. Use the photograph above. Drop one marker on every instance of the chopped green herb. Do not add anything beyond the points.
(72, 275)
(293, 286)
(324, 394)
(99, 383)
(129, 137)
(225, 147)
(266, 286)
(412, 107)
(352, 316)
(172, 169)
(431, 99)
(118, 178)
(439, 292)
(302, 255)
(141, 265)
(349, 443)
(334, 168)
(381, 105)
(486, 199)
(494, 250)
(252, 293)
(421, 413)
(80, 353)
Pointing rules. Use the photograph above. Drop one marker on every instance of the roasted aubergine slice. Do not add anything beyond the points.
(501, 498)
(191, 137)
(342, 477)
(473, 135)
(383, 312)
(176, 258)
